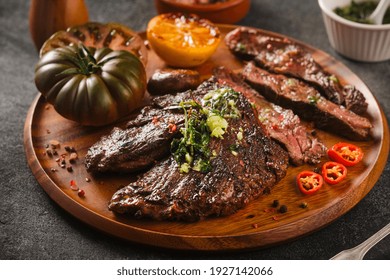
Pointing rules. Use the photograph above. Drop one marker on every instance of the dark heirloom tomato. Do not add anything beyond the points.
(91, 86)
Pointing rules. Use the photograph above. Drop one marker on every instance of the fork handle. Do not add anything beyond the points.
(374, 239)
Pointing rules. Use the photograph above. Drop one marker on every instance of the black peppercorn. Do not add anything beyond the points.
(283, 209)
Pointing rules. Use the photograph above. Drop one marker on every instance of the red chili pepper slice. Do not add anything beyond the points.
(309, 182)
(333, 172)
(345, 153)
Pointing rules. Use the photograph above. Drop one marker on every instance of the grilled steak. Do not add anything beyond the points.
(281, 124)
(307, 103)
(165, 81)
(284, 57)
(146, 140)
(163, 193)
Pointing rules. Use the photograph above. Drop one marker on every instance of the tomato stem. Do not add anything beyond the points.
(86, 62)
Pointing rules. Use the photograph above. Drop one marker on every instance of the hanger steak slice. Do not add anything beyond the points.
(145, 140)
(281, 124)
(236, 177)
(282, 56)
(305, 101)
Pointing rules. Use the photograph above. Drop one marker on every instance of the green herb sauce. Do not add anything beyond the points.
(358, 12)
(202, 122)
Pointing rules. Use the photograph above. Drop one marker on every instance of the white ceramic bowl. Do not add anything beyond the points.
(362, 42)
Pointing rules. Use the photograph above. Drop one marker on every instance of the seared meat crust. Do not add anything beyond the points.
(163, 193)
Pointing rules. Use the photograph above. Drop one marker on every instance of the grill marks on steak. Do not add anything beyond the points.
(146, 139)
(163, 193)
(281, 124)
(281, 56)
(307, 103)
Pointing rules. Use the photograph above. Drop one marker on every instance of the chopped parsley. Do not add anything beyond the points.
(240, 47)
(313, 99)
(202, 122)
(222, 102)
(359, 11)
(291, 82)
(334, 79)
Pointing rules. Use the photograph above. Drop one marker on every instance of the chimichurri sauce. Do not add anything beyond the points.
(358, 12)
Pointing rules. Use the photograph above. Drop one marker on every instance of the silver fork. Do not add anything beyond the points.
(358, 252)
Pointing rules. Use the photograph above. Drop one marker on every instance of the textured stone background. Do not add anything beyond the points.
(33, 227)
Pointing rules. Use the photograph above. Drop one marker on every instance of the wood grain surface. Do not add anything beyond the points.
(257, 225)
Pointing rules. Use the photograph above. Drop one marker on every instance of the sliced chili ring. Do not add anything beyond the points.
(309, 182)
(333, 172)
(345, 153)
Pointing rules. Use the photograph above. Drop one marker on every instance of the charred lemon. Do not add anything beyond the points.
(183, 40)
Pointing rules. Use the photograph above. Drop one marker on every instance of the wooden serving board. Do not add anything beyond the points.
(255, 226)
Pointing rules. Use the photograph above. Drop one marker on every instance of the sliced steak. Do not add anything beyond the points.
(163, 193)
(307, 103)
(146, 140)
(166, 101)
(281, 124)
(285, 57)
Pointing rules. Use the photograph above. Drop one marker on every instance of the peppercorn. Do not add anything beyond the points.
(267, 191)
(275, 203)
(303, 205)
(317, 170)
(81, 193)
(283, 209)
(69, 168)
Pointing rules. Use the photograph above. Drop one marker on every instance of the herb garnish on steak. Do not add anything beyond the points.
(203, 121)
(235, 179)
(281, 124)
(146, 139)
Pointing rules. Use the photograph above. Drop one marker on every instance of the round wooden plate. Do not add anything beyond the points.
(255, 226)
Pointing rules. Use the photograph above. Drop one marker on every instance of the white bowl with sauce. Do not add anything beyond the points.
(357, 41)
